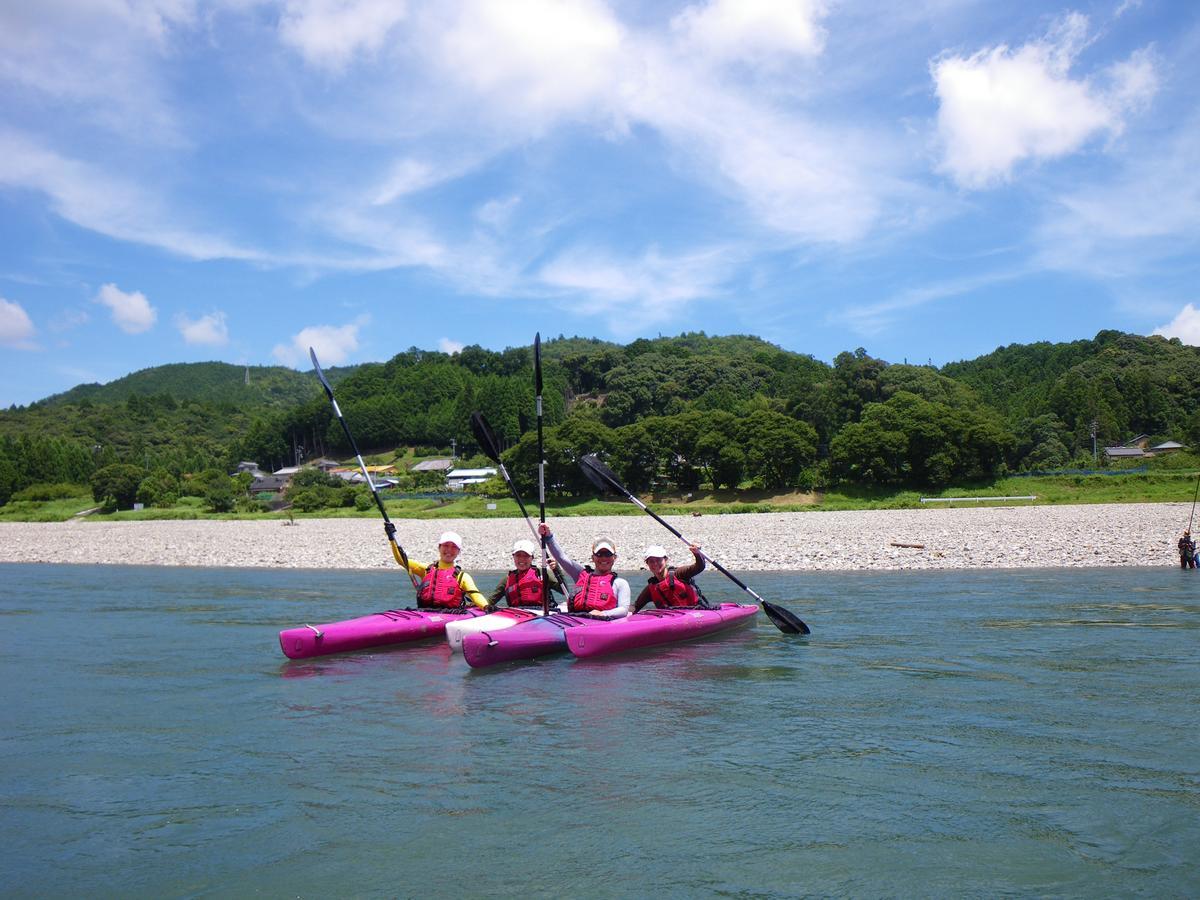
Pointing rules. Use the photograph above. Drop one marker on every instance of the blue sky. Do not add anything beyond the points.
(237, 180)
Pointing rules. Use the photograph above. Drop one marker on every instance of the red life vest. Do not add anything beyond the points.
(671, 591)
(593, 592)
(524, 590)
(440, 588)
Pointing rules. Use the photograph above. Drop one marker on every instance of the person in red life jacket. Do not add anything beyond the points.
(669, 587)
(522, 586)
(443, 584)
(599, 591)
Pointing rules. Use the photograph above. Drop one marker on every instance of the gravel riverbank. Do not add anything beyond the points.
(1004, 537)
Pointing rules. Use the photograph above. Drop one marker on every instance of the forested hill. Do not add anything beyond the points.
(1126, 383)
(209, 382)
(684, 410)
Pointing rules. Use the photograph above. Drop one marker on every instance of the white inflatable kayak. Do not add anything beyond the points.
(497, 621)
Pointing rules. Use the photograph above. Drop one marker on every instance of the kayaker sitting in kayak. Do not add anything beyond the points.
(669, 587)
(599, 591)
(444, 585)
(522, 586)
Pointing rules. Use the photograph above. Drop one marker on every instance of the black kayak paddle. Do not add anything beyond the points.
(389, 527)
(491, 447)
(603, 478)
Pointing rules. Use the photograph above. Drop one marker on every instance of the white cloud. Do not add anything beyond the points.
(407, 176)
(753, 30)
(534, 59)
(1001, 107)
(448, 346)
(496, 213)
(68, 319)
(1185, 326)
(101, 59)
(333, 344)
(132, 313)
(330, 33)
(209, 329)
(871, 319)
(1144, 213)
(16, 328)
(99, 201)
(634, 293)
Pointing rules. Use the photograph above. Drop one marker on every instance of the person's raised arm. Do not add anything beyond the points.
(694, 568)
(568, 565)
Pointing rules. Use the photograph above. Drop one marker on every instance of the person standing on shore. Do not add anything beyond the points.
(599, 591)
(1187, 551)
(669, 587)
(522, 586)
(444, 585)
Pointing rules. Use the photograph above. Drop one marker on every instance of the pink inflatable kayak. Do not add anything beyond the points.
(395, 626)
(537, 637)
(652, 627)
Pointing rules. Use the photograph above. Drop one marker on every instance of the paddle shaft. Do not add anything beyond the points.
(516, 496)
(537, 378)
(1195, 494)
(716, 565)
(337, 411)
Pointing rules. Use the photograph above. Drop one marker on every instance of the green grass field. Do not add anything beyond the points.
(1165, 486)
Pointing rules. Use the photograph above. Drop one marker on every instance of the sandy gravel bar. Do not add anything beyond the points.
(1005, 537)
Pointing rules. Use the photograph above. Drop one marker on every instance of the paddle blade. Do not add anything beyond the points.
(537, 362)
(785, 620)
(486, 437)
(312, 354)
(600, 475)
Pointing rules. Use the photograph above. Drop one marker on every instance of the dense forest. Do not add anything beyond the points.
(681, 411)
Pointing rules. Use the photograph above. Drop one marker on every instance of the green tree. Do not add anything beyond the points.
(219, 496)
(777, 447)
(120, 482)
(159, 488)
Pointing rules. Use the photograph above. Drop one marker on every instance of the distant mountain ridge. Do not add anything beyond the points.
(659, 407)
(207, 382)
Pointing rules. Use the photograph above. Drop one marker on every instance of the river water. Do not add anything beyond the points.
(977, 733)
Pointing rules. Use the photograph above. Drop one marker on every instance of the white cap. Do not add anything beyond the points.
(655, 550)
(604, 544)
(523, 547)
(450, 537)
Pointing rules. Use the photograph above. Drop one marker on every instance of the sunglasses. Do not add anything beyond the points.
(603, 553)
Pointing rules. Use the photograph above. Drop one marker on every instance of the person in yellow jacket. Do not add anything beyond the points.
(443, 584)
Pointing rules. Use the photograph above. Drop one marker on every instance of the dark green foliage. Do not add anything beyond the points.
(159, 488)
(311, 476)
(40, 493)
(1126, 383)
(777, 447)
(317, 497)
(118, 482)
(312, 489)
(219, 496)
(161, 388)
(908, 439)
(664, 412)
(9, 479)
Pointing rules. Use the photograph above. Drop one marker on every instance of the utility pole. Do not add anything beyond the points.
(453, 448)
(1095, 428)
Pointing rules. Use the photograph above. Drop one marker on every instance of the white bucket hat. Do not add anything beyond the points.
(450, 537)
